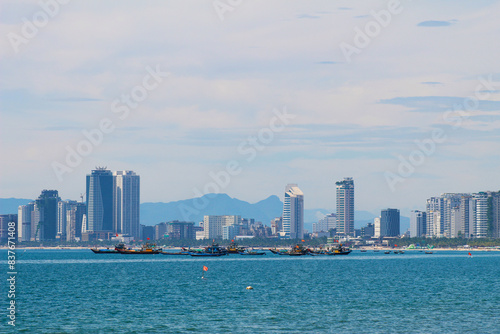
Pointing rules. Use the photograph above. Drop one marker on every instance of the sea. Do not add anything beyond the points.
(77, 291)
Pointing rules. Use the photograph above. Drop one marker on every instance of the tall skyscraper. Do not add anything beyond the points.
(417, 224)
(465, 215)
(435, 217)
(494, 213)
(100, 200)
(75, 213)
(61, 220)
(293, 212)
(5, 231)
(451, 201)
(457, 229)
(376, 227)
(44, 225)
(481, 214)
(126, 198)
(25, 214)
(345, 206)
(389, 223)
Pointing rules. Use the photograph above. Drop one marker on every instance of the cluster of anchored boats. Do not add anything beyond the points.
(149, 248)
(216, 250)
(301, 250)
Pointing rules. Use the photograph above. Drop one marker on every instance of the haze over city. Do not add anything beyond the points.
(404, 99)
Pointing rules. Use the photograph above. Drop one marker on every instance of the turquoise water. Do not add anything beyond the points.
(60, 291)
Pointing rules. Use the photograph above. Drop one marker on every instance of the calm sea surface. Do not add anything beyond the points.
(76, 291)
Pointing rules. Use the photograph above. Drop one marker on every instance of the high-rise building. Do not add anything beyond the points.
(147, 232)
(25, 214)
(481, 214)
(450, 202)
(368, 230)
(345, 206)
(465, 215)
(376, 227)
(434, 215)
(457, 229)
(494, 213)
(389, 223)
(8, 232)
(325, 224)
(293, 212)
(160, 230)
(75, 213)
(276, 225)
(230, 232)
(99, 200)
(61, 220)
(181, 230)
(417, 224)
(44, 224)
(126, 198)
(213, 226)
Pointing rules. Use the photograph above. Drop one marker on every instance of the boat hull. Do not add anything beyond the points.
(177, 253)
(139, 252)
(252, 253)
(104, 251)
(207, 254)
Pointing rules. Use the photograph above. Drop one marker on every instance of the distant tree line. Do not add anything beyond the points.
(447, 242)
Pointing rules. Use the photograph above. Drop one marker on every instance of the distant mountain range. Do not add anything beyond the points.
(218, 204)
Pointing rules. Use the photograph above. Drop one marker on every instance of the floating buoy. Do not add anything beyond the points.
(249, 288)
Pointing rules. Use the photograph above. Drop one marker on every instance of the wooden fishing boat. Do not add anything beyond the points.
(108, 250)
(147, 248)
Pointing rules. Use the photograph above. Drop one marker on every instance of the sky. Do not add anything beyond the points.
(243, 97)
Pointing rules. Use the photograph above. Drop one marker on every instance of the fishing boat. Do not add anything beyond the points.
(147, 248)
(340, 250)
(108, 250)
(387, 252)
(252, 252)
(428, 252)
(363, 251)
(182, 252)
(278, 251)
(233, 248)
(213, 250)
(296, 250)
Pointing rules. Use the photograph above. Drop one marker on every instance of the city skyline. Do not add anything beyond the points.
(181, 94)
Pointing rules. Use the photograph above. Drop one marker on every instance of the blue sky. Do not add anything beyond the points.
(423, 71)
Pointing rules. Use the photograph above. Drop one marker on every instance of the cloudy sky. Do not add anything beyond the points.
(403, 98)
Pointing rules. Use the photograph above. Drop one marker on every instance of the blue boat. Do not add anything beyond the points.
(213, 250)
(251, 252)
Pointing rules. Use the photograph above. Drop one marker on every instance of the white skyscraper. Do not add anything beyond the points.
(434, 217)
(345, 206)
(481, 215)
(25, 216)
(126, 198)
(293, 212)
(376, 224)
(61, 219)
